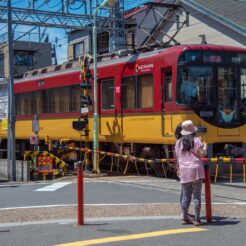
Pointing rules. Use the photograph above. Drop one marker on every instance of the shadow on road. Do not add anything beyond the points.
(223, 221)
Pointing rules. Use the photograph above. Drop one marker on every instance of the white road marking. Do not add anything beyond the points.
(54, 186)
(114, 204)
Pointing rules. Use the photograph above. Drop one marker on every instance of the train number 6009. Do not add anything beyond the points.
(206, 114)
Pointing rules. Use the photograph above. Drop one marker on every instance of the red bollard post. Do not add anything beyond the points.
(208, 193)
(80, 194)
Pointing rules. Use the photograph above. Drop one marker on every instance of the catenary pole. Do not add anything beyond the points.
(11, 102)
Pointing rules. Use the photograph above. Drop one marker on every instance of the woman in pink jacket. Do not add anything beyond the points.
(189, 150)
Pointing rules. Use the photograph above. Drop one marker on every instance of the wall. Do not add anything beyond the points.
(22, 170)
(42, 56)
(215, 32)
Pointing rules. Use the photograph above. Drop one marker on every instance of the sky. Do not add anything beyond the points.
(57, 36)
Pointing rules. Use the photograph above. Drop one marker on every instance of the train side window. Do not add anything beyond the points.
(62, 100)
(107, 94)
(75, 94)
(24, 104)
(167, 86)
(38, 102)
(58, 100)
(129, 92)
(145, 91)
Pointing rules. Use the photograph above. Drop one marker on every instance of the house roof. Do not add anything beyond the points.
(231, 12)
(134, 11)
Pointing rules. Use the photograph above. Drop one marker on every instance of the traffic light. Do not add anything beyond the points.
(85, 85)
(81, 124)
(85, 101)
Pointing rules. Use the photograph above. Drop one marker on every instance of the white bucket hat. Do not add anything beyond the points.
(188, 128)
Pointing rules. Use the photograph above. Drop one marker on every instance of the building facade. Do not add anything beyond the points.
(173, 22)
(27, 56)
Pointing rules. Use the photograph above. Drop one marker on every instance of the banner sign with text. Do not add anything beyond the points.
(3, 100)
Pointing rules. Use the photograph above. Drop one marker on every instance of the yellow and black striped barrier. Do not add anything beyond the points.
(60, 165)
(169, 162)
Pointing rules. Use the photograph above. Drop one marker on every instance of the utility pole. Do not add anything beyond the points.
(11, 103)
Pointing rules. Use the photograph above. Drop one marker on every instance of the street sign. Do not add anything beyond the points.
(84, 110)
(35, 126)
(34, 140)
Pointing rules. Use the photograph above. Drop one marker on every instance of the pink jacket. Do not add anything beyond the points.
(190, 166)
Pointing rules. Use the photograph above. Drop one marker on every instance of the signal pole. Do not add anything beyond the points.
(107, 4)
(11, 103)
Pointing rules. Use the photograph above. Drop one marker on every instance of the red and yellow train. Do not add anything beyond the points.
(142, 98)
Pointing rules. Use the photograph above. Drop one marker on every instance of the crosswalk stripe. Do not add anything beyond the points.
(54, 187)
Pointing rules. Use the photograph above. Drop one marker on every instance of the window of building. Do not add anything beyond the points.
(103, 42)
(138, 91)
(79, 49)
(130, 39)
(107, 94)
(23, 58)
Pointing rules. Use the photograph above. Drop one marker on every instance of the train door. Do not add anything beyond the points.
(167, 114)
(109, 125)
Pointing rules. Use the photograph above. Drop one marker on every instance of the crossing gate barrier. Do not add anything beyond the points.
(166, 164)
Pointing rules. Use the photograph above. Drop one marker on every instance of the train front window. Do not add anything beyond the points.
(227, 94)
(213, 84)
(195, 85)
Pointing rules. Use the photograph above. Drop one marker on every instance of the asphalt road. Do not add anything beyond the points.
(110, 190)
(147, 227)
(130, 232)
(95, 192)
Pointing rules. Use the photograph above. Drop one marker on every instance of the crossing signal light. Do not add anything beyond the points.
(85, 100)
(85, 73)
(85, 85)
(81, 124)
